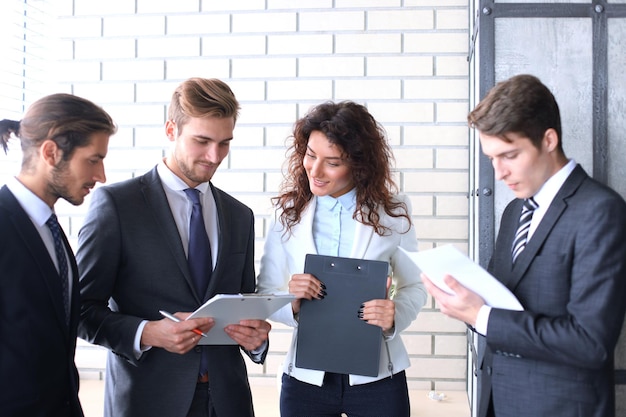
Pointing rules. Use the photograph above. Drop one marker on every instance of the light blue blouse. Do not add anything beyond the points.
(333, 225)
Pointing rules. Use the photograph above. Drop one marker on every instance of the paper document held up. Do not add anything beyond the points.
(447, 259)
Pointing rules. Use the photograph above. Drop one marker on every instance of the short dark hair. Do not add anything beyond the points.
(522, 105)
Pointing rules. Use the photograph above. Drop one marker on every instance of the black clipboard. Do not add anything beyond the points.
(331, 337)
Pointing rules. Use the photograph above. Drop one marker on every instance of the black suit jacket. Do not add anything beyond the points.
(555, 358)
(132, 264)
(37, 347)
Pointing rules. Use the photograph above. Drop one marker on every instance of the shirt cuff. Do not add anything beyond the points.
(257, 354)
(482, 319)
(137, 349)
(390, 334)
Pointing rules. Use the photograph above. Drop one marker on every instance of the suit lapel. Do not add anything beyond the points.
(75, 291)
(555, 211)
(223, 239)
(362, 238)
(301, 238)
(303, 232)
(32, 241)
(156, 200)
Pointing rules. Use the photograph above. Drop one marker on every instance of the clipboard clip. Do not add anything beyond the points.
(359, 267)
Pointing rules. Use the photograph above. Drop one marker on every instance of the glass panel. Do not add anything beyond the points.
(617, 105)
(561, 56)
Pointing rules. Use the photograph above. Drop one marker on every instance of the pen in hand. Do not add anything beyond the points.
(177, 320)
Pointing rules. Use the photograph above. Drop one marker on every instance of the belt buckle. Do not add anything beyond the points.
(203, 378)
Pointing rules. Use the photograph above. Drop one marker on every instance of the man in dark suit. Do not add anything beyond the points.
(564, 257)
(133, 261)
(64, 139)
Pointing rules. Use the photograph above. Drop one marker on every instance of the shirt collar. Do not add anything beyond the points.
(174, 182)
(550, 188)
(34, 206)
(347, 201)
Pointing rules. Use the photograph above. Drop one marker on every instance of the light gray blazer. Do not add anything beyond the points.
(284, 256)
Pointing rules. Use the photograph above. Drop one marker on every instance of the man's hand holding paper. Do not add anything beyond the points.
(462, 304)
(460, 286)
(250, 334)
(447, 260)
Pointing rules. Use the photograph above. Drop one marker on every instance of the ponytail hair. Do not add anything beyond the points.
(6, 128)
(66, 119)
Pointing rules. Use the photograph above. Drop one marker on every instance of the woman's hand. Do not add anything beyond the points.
(305, 286)
(381, 313)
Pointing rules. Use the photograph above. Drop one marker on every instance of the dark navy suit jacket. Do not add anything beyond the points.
(37, 347)
(132, 265)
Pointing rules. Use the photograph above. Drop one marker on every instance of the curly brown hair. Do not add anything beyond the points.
(362, 141)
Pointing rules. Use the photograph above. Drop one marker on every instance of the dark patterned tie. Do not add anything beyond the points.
(521, 236)
(199, 250)
(53, 224)
(199, 258)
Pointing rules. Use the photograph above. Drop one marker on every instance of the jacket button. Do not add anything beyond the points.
(197, 349)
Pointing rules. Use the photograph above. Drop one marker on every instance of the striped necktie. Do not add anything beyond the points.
(521, 235)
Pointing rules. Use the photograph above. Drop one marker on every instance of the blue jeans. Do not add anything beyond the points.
(387, 397)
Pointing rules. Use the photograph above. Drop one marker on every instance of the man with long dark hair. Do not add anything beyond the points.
(64, 140)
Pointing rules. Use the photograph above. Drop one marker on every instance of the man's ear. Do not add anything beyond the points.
(171, 130)
(551, 140)
(50, 152)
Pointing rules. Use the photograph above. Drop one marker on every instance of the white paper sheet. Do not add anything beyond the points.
(447, 259)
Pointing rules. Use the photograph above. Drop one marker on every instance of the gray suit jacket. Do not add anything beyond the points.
(132, 264)
(37, 370)
(556, 357)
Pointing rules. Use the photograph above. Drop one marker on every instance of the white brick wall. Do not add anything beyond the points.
(404, 59)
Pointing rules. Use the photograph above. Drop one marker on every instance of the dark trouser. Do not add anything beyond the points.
(490, 410)
(387, 397)
(202, 406)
